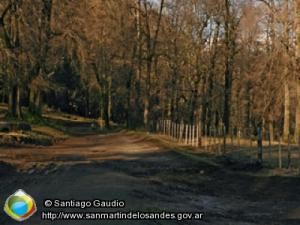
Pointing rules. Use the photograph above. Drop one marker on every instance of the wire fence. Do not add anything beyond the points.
(260, 147)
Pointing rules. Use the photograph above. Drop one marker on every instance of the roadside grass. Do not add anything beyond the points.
(238, 163)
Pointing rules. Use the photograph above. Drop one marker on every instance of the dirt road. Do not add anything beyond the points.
(148, 178)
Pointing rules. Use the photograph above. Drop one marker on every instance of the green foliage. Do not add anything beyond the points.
(33, 118)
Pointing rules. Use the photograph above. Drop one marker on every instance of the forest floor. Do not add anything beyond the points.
(150, 174)
(53, 127)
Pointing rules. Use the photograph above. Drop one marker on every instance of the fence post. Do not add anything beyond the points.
(166, 127)
(259, 145)
(200, 134)
(190, 137)
(239, 140)
(231, 136)
(289, 151)
(193, 135)
(174, 130)
(181, 132)
(224, 139)
(160, 127)
(197, 135)
(186, 133)
(214, 138)
(209, 138)
(206, 137)
(270, 146)
(178, 132)
(299, 151)
(279, 152)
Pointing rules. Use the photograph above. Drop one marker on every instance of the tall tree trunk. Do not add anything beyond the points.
(230, 48)
(247, 108)
(109, 98)
(14, 105)
(151, 43)
(271, 130)
(211, 77)
(31, 107)
(174, 82)
(147, 94)
(87, 102)
(134, 115)
(45, 33)
(18, 102)
(11, 108)
(104, 108)
(286, 124)
(297, 61)
(35, 103)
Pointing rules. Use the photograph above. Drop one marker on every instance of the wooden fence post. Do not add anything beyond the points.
(206, 136)
(224, 139)
(279, 153)
(174, 130)
(160, 127)
(259, 145)
(200, 134)
(197, 135)
(219, 141)
(209, 138)
(190, 135)
(289, 152)
(299, 151)
(186, 133)
(193, 135)
(178, 131)
(166, 127)
(239, 140)
(231, 136)
(213, 138)
(270, 147)
(181, 132)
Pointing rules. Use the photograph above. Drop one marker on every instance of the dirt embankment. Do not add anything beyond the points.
(51, 129)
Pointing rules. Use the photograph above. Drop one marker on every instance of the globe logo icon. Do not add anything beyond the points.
(20, 206)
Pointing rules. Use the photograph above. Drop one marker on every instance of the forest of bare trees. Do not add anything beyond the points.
(222, 63)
